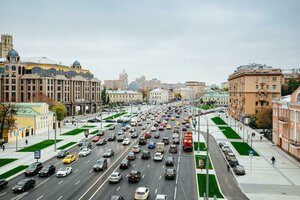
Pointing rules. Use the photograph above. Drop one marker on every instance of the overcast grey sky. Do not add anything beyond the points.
(174, 41)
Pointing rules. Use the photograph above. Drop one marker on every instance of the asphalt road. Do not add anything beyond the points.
(84, 183)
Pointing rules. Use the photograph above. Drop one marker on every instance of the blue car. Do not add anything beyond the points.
(151, 145)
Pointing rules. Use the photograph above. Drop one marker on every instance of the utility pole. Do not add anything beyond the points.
(207, 161)
(55, 132)
(199, 112)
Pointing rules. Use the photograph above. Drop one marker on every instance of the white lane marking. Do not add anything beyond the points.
(57, 163)
(179, 159)
(88, 161)
(143, 176)
(77, 182)
(178, 168)
(19, 196)
(156, 191)
(163, 166)
(133, 165)
(59, 198)
(40, 197)
(175, 191)
(148, 165)
(3, 194)
(118, 188)
(159, 177)
(42, 182)
(76, 170)
(176, 179)
(90, 171)
(60, 182)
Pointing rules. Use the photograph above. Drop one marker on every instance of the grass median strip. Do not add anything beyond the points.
(206, 107)
(115, 116)
(94, 132)
(202, 146)
(5, 161)
(229, 133)
(75, 131)
(243, 148)
(40, 145)
(213, 186)
(66, 145)
(13, 171)
(218, 121)
(202, 157)
(88, 126)
(108, 125)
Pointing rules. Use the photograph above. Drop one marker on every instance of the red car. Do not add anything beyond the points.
(148, 135)
(96, 139)
(163, 125)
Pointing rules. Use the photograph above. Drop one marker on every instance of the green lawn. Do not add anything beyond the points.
(66, 145)
(218, 121)
(75, 131)
(202, 146)
(206, 107)
(5, 161)
(229, 133)
(94, 132)
(108, 125)
(115, 116)
(40, 145)
(213, 186)
(243, 148)
(88, 126)
(203, 157)
(13, 171)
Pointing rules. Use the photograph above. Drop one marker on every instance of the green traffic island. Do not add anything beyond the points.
(218, 121)
(13, 171)
(88, 126)
(206, 107)
(108, 125)
(5, 161)
(202, 146)
(213, 186)
(75, 131)
(243, 148)
(66, 145)
(203, 158)
(94, 132)
(41, 145)
(229, 133)
(115, 116)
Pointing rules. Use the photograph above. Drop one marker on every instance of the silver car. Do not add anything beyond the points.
(115, 177)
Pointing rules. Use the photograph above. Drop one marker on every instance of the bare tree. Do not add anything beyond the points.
(7, 118)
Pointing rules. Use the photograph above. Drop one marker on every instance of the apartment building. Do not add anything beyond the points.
(198, 87)
(219, 98)
(124, 96)
(158, 95)
(286, 123)
(252, 88)
(185, 93)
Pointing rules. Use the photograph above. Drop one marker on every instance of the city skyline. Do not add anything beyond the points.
(173, 42)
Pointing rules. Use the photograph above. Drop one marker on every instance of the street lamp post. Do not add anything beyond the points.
(16, 134)
(207, 161)
(199, 112)
(55, 132)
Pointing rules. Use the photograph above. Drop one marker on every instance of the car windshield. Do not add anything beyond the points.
(140, 193)
(169, 159)
(46, 168)
(84, 149)
(21, 183)
(63, 169)
(69, 157)
(32, 166)
(99, 162)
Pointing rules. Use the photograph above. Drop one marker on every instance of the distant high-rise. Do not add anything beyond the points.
(124, 78)
(6, 44)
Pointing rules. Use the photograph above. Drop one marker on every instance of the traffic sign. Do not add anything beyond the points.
(251, 153)
(37, 154)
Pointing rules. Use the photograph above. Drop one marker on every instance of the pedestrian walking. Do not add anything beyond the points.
(273, 160)
(3, 147)
(261, 138)
(228, 167)
(26, 142)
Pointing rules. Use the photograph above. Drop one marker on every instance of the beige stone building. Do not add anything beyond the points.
(158, 96)
(198, 87)
(124, 96)
(252, 88)
(185, 93)
(114, 84)
(286, 123)
(6, 44)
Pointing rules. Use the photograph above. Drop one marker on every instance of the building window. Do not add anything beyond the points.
(256, 86)
(267, 87)
(262, 86)
(256, 103)
(274, 87)
(273, 95)
(267, 103)
(274, 79)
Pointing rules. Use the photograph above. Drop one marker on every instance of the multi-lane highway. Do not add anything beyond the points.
(84, 183)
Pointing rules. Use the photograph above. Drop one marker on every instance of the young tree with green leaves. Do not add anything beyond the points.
(7, 119)
(263, 120)
(60, 113)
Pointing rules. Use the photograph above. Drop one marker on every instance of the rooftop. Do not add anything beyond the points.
(122, 92)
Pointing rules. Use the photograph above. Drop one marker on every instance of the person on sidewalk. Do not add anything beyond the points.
(273, 160)
(26, 142)
(261, 138)
(3, 147)
(228, 167)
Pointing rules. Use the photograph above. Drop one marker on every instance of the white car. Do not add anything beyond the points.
(84, 152)
(64, 171)
(153, 128)
(158, 156)
(144, 128)
(141, 193)
(136, 149)
(161, 197)
(126, 141)
(115, 177)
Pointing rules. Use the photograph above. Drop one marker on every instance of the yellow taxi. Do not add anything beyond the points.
(69, 158)
(168, 126)
(177, 122)
(173, 119)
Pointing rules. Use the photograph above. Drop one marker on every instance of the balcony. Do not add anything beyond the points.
(295, 144)
(283, 120)
(262, 98)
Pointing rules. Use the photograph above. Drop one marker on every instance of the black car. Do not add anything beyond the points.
(101, 142)
(120, 138)
(142, 141)
(169, 161)
(83, 140)
(62, 153)
(165, 140)
(94, 120)
(3, 183)
(125, 164)
(184, 129)
(146, 155)
(108, 153)
(134, 135)
(239, 170)
(101, 164)
(47, 170)
(233, 162)
(24, 185)
(170, 174)
(33, 169)
(111, 137)
(134, 176)
(100, 133)
(116, 198)
(173, 149)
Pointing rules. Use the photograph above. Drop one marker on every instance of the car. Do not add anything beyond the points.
(84, 152)
(230, 156)
(173, 149)
(115, 177)
(225, 146)
(175, 135)
(134, 176)
(64, 171)
(158, 156)
(141, 193)
(94, 120)
(131, 156)
(101, 164)
(120, 138)
(101, 142)
(142, 141)
(86, 145)
(173, 119)
(165, 140)
(131, 130)
(136, 149)
(96, 138)
(184, 129)
(161, 128)
(108, 153)
(239, 170)
(169, 161)
(153, 128)
(112, 127)
(125, 164)
(151, 145)
(24, 185)
(140, 124)
(3, 183)
(187, 125)
(147, 135)
(146, 155)
(177, 116)
(176, 141)
(126, 127)
(47, 170)
(126, 141)
(120, 132)
(233, 162)
(168, 127)
(221, 144)
(116, 197)
(111, 137)
(62, 153)
(227, 150)
(33, 169)
(134, 135)
(161, 197)
(167, 119)
(83, 140)
(144, 127)
(101, 133)
(175, 130)
(155, 124)
(69, 159)
(157, 135)
(170, 173)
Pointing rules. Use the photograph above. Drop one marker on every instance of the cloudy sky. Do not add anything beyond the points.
(174, 41)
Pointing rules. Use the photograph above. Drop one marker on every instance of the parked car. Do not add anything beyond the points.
(24, 185)
(125, 164)
(233, 162)
(161, 197)
(62, 153)
(47, 170)
(170, 173)
(33, 169)
(141, 193)
(84, 152)
(101, 164)
(221, 144)
(230, 156)
(146, 155)
(116, 197)
(108, 153)
(134, 176)
(101, 142)
(115, 177)
(94, 120)
(64, 171)
(3, 183)
(239, 170)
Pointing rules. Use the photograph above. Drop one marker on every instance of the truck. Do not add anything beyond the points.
(160, 147)
(187, 143)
